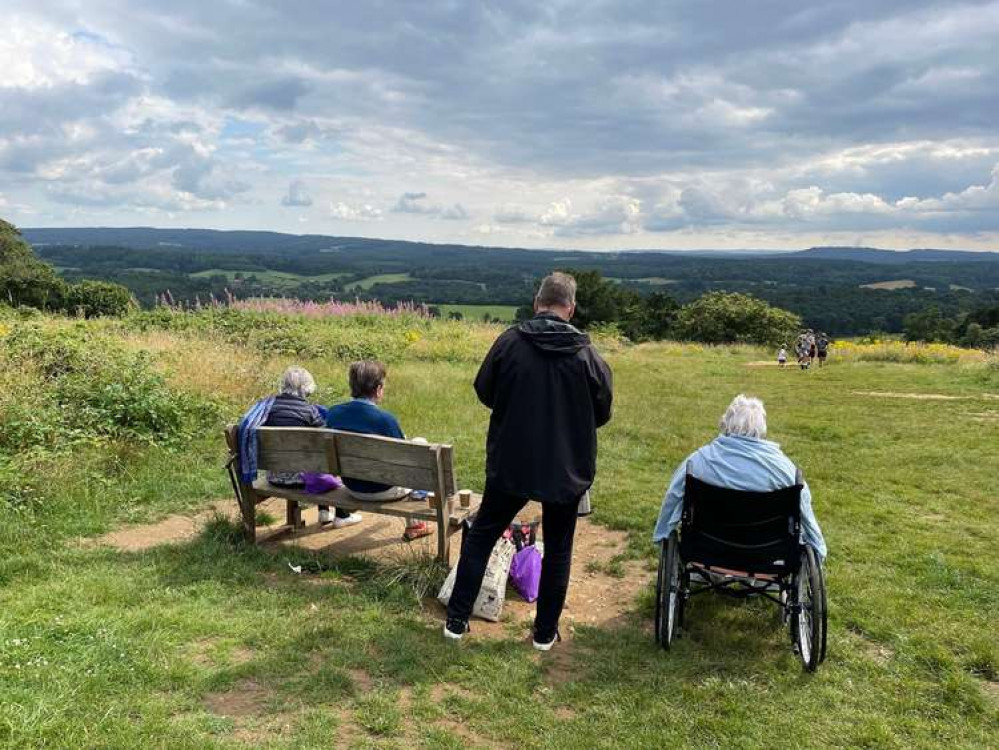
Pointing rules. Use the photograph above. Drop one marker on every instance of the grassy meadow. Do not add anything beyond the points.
(104, 423)
(474, 313)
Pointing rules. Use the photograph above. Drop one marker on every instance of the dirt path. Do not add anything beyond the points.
(595, 597)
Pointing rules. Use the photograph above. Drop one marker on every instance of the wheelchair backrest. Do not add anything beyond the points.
(755, 532)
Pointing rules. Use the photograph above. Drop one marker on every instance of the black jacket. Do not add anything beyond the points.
(293, 411)
(549, 391)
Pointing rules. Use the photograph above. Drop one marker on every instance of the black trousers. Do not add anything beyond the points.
(498, 509)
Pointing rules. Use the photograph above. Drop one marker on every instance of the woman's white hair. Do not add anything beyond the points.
(297, 381)
(745, 417)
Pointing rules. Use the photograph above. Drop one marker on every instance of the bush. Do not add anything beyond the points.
(722, 318)
(93, 299)
(76, 385)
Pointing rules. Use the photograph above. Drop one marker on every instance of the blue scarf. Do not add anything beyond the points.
(247, 434)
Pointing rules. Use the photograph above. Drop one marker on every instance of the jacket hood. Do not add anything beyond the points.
(551, 334)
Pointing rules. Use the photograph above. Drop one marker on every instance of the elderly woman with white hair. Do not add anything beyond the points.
(291, 408)
(740, 458)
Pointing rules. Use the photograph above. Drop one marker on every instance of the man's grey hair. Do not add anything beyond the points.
(557, 290)
(297, 381)
(745, 417)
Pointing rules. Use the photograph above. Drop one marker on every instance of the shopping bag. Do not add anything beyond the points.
(489, 603)
(525, 572)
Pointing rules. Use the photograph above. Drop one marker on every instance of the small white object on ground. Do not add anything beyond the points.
(295, 568)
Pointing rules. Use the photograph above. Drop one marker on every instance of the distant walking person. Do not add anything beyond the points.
(549, 391)
(782, 357)
(822, 347)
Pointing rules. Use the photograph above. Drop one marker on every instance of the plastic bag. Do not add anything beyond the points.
(525, 572)
(492, 594)
(317, 484)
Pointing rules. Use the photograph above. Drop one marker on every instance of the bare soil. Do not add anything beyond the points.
(595, 597)
(917, 396)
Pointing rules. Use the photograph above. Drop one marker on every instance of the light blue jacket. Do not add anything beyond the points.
(739, 463)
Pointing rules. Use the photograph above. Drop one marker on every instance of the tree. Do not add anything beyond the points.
(24, 279)
(599, 300)
(652, 319)
(928, 325)
(720, 318)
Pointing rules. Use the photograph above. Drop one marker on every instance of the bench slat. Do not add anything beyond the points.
(390, 450)
(291, 449)
(343, 499)
(371, 470)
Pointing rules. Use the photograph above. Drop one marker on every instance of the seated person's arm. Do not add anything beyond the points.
(810, 531)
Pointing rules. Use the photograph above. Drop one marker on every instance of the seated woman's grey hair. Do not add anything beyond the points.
(745, 417)
(297, 381)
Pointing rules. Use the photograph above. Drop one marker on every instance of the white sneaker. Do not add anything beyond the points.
(325, 517)
(546, 645)
(353, 518)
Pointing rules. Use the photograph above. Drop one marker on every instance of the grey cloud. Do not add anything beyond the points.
(299, 132)
(47, 110)
(455, 212)
(691, 94)
(297, 195)
(415, 203)
(278, 94)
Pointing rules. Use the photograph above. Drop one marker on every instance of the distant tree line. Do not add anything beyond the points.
(977, 329)
(826, 293)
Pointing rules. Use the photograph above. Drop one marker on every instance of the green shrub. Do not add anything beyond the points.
(92, 299)
(722, 318)
(88, 386)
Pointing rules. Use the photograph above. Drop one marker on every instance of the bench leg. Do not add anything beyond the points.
(294, 515)
(248, 511)
(443, 537)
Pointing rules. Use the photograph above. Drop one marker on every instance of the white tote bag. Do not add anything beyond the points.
(489, 603)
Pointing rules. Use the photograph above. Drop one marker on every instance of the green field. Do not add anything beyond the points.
(383, 278)
(209, 643)
(276, 278)
(504, 313)
(650, 280)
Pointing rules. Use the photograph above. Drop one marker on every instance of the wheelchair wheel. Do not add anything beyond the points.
(808, 624)
(669, 599)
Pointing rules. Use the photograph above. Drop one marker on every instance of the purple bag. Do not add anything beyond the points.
(317, 484)
(525, 572)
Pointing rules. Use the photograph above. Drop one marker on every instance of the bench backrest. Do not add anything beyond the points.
(752, 531)
(372, 458)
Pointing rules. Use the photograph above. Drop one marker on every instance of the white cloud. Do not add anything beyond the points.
(363, 212)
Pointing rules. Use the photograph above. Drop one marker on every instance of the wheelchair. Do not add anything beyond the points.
(743, 544)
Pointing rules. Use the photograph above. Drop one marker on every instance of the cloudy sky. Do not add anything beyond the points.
(617, 124)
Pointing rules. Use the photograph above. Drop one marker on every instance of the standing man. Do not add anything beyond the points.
(549, 391)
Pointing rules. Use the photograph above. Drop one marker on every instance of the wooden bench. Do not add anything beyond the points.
(401, 463)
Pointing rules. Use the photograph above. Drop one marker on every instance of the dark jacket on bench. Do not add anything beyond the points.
(294, 411)
(549, 391)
